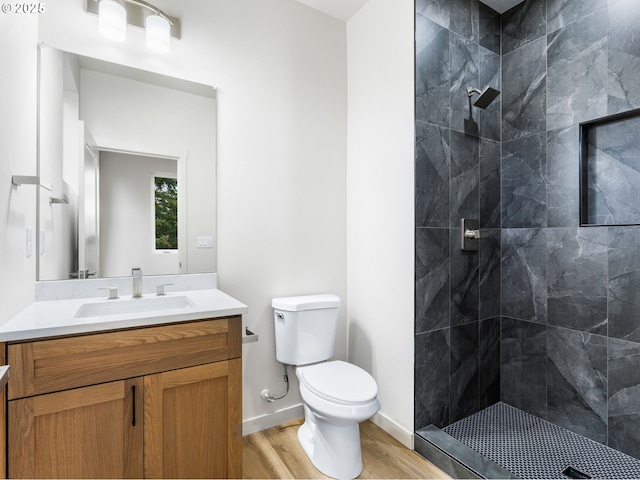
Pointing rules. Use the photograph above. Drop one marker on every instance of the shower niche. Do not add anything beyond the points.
(610, 170)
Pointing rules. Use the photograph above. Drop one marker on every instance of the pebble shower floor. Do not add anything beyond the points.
(532, 448)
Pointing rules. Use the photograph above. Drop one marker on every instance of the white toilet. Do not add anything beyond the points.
(337, 396)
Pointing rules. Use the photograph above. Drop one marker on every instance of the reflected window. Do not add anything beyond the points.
(166, 211)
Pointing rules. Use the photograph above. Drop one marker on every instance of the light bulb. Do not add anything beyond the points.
(112, 20)
(158, 33)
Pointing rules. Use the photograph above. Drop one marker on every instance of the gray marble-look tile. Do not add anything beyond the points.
(523, 23)
(577, 279)
(465, 177)
(489, 71)
(524, 182)
(614, 172)
(489, 369)
(432, 176)
(624, 283)
(577, 382)
(524, 86)
(489, 184)
(432, 279)
(435, 10)
(563, 12)
(523, 382)
(432, 379)
(489, 29)
(464, 371)
(563, 174)
(465, 278)
(489, 259)
(463, 56)
(524, 274)
(624, 56)
(432, 72)
(624, 396)
(577, 72)
(464, 18)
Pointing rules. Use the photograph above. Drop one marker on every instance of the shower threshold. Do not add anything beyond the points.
(504, 442)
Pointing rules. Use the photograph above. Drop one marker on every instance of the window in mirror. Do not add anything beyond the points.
(165, 193)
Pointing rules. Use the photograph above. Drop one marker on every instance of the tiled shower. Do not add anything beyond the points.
(546, 316)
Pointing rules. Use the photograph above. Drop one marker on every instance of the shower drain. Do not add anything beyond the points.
(571, 472)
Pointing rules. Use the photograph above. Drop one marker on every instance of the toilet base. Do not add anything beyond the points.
(333, 449)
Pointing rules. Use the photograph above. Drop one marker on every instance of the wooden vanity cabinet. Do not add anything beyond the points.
(153, 402)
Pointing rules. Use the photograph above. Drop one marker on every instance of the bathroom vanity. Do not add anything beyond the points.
(154, 394)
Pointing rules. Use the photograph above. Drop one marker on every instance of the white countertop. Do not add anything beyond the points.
(57, 317)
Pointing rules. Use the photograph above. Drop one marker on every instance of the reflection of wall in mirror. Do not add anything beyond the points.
(131, 116)
(57, 222)
(121, 114)
(126, 225)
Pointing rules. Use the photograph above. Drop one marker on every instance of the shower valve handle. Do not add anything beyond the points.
(472, 234)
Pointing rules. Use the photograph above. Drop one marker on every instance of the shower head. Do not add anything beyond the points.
(485, 97)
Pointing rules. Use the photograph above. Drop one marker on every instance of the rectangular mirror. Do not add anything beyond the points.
(106, 133)
(610, 170)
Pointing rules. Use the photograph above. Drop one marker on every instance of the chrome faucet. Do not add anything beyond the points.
(136, 290)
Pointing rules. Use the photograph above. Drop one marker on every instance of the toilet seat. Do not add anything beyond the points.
(339, 382)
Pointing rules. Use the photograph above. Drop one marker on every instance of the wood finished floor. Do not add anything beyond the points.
(275, 453)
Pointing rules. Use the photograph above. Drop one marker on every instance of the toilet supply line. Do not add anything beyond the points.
(266, 394)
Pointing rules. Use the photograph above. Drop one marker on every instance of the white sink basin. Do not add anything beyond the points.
(133, 305)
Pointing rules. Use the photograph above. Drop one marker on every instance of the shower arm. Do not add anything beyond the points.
(471, 91)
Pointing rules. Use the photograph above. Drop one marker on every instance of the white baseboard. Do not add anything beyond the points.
(295, 412)
(262, 422)
(392, 428)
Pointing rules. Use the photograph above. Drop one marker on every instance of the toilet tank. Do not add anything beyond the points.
(305, 328)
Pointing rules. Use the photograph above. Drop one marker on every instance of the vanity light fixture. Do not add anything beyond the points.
(112, 20)
(158, 33)
(115, 15)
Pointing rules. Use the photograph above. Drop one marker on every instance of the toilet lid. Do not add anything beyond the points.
(339, 382)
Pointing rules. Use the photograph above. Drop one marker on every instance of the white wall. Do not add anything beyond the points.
(380, 205)
(18, 87)
(280, 68)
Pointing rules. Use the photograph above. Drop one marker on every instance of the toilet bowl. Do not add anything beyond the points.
(337, 396)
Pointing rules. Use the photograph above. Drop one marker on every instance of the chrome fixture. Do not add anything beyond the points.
(249, 336)
(81, 274)
(470, 235)
(63, 199)
(112, 292)
(17, 180)
(160, 288)
(115, 15)
(136, 290)
(485, 96)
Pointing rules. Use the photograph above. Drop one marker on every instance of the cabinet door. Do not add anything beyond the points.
(193, 422)
(82, 433)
